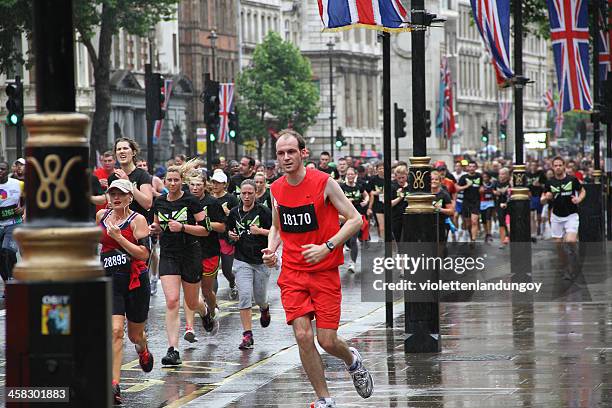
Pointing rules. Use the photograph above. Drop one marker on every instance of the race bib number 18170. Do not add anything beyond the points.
(298, 219)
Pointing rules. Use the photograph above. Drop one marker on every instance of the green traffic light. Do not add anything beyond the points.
(212, 138)
(232, 133)
(339, 143)
(13, 119)
(502, 136)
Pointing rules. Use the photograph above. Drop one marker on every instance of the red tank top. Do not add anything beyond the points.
(306, 218)
(109, 244)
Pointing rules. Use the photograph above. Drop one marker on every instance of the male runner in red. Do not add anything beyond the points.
(305, 217)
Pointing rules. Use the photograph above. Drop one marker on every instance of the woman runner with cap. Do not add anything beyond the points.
(125, 249)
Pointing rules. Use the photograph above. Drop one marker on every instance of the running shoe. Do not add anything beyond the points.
(247, 342)
(362, 379)
(323, 403)
(172, 357)
(351, 267)
(145, 358)
(116, 394)
(233, 292)
(210, 321)
(265, 318)
(190, 335)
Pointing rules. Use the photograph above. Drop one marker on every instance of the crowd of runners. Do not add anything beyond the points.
(186, 223)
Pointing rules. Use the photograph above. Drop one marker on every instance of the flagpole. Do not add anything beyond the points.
(420, 222)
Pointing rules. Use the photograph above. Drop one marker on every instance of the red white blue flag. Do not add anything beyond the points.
(492, 17)
(445, 123)
(159, 124)
(569, 32)
(226, 106)
(386, 15)
(505, 108)
(548, 100)
(605, 52)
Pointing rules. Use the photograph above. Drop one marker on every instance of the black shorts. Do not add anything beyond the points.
(469, 208)
(187, 264)
(133, 304)
(485, 215)
(501, 216)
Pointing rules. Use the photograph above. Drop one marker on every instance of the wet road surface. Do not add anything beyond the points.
(493, 355)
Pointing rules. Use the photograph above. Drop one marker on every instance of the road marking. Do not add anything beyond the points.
(2, 312)
(141, 386)
(211, 387)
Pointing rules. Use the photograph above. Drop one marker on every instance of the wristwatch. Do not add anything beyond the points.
(330, 245)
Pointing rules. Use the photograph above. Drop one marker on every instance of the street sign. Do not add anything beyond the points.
(536, 141)
(201, 140)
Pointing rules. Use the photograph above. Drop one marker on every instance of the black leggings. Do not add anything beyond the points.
(227, 261)
(352, 244)
(8, 259)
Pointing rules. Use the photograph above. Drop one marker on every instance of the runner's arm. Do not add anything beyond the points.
(273, 233)
(140, 229)
(197, 230)
(144, 196)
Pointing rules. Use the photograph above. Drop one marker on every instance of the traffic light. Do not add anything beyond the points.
(428, 122)
(400, 122)
(154, 93)
(484, 134)
(211, 109)
(233, 125)
(340, 141)
(503, 130)
(14, 104)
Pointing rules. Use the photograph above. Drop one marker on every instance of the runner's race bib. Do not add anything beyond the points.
(116, 261)
(7, 213)
(298, 219)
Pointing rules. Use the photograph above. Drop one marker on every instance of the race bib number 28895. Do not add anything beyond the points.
(298, 219)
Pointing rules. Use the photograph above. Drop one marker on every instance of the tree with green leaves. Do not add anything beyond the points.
(276, 89)
(101, 18)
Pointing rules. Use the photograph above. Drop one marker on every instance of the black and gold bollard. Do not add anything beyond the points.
(58, 309)
(422, 314)
(520, 224)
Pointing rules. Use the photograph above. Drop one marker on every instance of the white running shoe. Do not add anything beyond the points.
(362, 379)
(351, 267)
(324, 403)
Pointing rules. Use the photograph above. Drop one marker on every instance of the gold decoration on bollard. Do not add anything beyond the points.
(419, 179)
(56, 253)
(420, 204)
(48, 177)
(597, 174)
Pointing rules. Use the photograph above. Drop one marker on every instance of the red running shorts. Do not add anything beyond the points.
(316, 294)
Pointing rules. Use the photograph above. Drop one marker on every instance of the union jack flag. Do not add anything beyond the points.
(570, 40)
(226, 106)
(445, 123)
(505, 107)
(386, 15)
(549, 103)
(159, 124)
(492, 17)
(605, 53)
